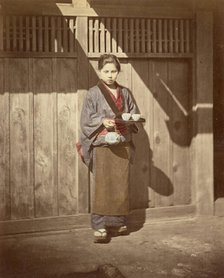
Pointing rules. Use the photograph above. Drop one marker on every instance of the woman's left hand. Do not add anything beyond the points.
(108, 123)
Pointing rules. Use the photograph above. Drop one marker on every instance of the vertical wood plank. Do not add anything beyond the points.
(160, 49)
(67, 179)
(20, 141)
(46, 203)
(66, 75)
(170, 35)
(7, 31)
(162, 155)
(140, 170)
(46, 34)
(83, 84)
(137, 38)
(114, 35)
(71, 35)
(27, 33)
(181, 36)
(2, 75)
(90, 38)
(40, 34)
(34, 34)
(53, 44)
(67, 122)
(149, 48)
(102, 36)
(59, 37)
(20, 18)
(132, 48)
(143, 35)
(14, 33)
(126, 36)
(165, 35)
(1, 33)
(96, 40)
(187, 36)
(65, 34)
(54, 97)
(204, 186)
(152, 93)
(120, 35)
(108, 35)
(31, 131)
(4, 147)
(154, 36)
(176, 36)
(18, 76)
(180, 130)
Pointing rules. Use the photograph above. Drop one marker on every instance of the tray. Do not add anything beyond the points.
(141, 120)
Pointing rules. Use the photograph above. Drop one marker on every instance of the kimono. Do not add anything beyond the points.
(109, 163)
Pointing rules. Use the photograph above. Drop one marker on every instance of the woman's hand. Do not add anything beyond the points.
(108, 123)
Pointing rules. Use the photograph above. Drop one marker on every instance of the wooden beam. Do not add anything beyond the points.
(79, 3)
(204, 114)
(83, 9)
(63, 223)
(83, 81)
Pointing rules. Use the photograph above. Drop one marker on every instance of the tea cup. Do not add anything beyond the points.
(136, 117)
(126, 116)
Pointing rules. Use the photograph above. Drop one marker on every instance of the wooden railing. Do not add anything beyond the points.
(32, 35)
(140, 36)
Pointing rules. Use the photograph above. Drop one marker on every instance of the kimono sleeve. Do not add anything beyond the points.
(91, 121)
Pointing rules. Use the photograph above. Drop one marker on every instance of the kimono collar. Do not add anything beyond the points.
(119, 103)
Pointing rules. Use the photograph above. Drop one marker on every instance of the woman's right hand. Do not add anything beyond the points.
(108, 123)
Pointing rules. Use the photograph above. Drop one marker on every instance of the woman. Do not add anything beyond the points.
(105, 146)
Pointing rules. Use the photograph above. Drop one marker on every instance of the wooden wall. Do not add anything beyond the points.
(41, 95)
(38, 134)
(39, 129)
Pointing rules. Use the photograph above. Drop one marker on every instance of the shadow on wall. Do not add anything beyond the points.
(143, 176)
(144, 172)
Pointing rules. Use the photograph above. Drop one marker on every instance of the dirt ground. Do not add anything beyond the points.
(162, 248)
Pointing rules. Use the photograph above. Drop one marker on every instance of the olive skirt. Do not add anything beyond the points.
(111, 180)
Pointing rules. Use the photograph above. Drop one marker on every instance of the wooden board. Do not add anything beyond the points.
(204, 115)
(140, 170)
(66, 73)
(162, 145)
(21, 134)
(4, 149)
(180, 129)
(45, 140)
(83, 85)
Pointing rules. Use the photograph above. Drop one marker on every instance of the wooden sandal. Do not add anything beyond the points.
(123, 230)
(100, 236)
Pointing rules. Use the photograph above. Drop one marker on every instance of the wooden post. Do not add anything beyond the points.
(204, 114)
(80, 3)
(1, 33)
(83, 81)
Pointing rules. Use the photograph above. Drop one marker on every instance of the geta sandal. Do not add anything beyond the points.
(100, 236)
(123, 230)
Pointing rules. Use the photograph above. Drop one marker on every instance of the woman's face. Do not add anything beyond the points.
(109, 74)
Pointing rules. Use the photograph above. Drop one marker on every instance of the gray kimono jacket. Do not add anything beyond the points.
(95, 109)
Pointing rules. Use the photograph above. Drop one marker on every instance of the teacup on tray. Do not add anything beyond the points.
(136, 117)
(126, 116)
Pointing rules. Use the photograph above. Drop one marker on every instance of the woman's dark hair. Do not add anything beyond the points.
(108, 59)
